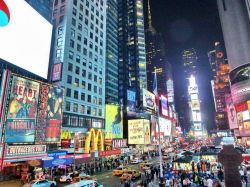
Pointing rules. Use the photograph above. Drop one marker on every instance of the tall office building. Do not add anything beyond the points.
(220, 86)
(132, 55)
(43, 7)
(79, 57)
(111, 90)
(211, 58)
(156, 55)
(235, 22)
(190, 61)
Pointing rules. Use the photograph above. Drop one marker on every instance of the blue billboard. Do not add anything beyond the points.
(131, 103)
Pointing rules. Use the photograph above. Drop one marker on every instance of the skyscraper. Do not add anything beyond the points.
(112, 52)
(156, 55)
(190, 61)
(43, 7)
(220, 87)
(235, 22)
(79, 55)
(211, 58)
(132, 55)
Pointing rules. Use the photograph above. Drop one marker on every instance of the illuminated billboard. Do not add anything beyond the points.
(139, 132)
(231, 113)
(195, 104)
(131, 103)
(49, 118)
(165, 126)
(196, 115)
(170, 90)
(197, 127)
(22, 111)
(25, 41)
(114, 121)
(164, 106)
(57, 72)
(243, 116)
(148, 99)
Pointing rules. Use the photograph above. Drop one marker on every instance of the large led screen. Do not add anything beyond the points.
(138, 132)
(148, 99)
(22, 110)
(165, 126)
(26, 40)
(113, 123)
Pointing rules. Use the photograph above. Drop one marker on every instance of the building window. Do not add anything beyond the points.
(71, 55)
(75, 94)
(77, 71)
(80, 26)
(68, 92)
(85, 51)
(94, 112)
(75, 2)
(61, 19)
(95, 100)
(83, 84)
(90, 76)
(79, 37)
(78, 59)
(75, 108)
(100, 91)
(89, 87)
(88, 110)
(100, 112)
(84, 61)
(67, 106)
(72, 33)
(69, 79)
(95, 89)
(100, 101)
(73, 22)
(83, 73)
(58, 53)
(89, 98)
(59, 41)
(71, 43)
(60, 31)
(82, 109)
(79, 47)
(83, 96)
(95, 78)
(76, 82)
(70, 67)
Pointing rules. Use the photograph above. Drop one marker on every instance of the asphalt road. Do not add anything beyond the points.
(107, 179)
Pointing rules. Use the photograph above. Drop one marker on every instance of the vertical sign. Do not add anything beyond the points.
(22, 111)
(49, 118)
(131, 103)
(56, 72)
(231, 113)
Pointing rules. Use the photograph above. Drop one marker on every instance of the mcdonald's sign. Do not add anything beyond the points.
(94, 141)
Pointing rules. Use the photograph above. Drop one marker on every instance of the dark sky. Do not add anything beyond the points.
(189, 24)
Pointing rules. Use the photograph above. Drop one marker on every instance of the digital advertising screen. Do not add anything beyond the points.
(131, 103)
(164, 106)
(231, 112)
(196, 115)
(26, 39)
(114, 121)
(195, 104)
(22, 111)
(138, 132)
(165, 126)
(148, 99)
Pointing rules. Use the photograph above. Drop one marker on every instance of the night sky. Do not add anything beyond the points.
(190, 24)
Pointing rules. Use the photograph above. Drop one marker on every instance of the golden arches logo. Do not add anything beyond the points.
(94, 141)
(66, 135)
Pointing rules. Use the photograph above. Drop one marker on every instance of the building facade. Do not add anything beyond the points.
(79, 55)
(132, 54)
(220, 86)
(111, 90)
(235, 22)
(43, 7)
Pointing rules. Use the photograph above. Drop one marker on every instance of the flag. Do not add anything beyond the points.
(155, 85)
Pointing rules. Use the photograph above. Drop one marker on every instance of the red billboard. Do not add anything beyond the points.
(243, 118)
(57, 72)
(49, 117)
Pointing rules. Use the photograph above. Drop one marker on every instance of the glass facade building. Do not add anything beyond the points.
(132, 54)
(112, 52)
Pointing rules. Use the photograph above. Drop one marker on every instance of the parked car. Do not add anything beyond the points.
(43, 183)
(132, 174)
(119, 171)
(67, 178)
(136, 161)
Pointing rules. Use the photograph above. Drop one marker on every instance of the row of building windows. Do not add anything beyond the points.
(82, 109)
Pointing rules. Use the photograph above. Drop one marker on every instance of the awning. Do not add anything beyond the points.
(184, 159)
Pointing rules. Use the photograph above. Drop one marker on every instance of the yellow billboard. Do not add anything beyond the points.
(138, 132)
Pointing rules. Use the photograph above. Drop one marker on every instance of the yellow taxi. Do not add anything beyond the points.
(120, 170)
(143, 164)
(132, 174)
